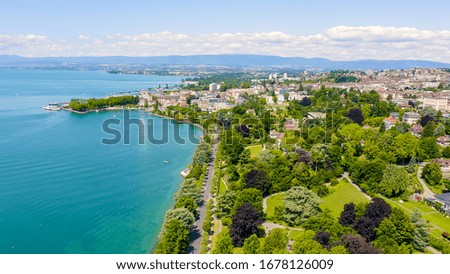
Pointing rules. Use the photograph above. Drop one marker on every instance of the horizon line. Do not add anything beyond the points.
(219, 54)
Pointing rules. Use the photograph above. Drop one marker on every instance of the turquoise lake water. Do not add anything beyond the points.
(61, 190)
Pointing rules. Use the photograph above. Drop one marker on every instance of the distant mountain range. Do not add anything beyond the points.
(232, 60)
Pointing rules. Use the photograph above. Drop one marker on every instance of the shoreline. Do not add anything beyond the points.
(151, 250)
(134, 108)
(99, 110)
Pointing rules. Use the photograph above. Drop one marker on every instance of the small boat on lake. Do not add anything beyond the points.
(166, 161)
(52, 107)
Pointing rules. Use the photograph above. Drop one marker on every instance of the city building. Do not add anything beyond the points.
(411, 117)
(439, 104)
(390, 122)
(316, 115)
(214, 87)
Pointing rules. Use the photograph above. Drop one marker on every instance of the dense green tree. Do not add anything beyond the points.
(395, 181)
(175, 239)
(393, 232)
(305, 244)
(370, 97)
(245, 223)
(367, 174)
(430, 148)
(249, 195)
(275, 242)
(421, 237)
(390, 246)
(301, 175)
(196, 172)
(300, 204)
(232, 145)
(320, 156)
(432, 174)
(188, 203)
(182, 214)
(252, 245)
(404, 229)
(90, 104)
(280, 174)
(224, 244)
(208, 222)
(446, 183)
(381, 109)
(190, 189)
(202, 154)
(407, 146)
(225, 203)
(439, 130)
(446, 152)
(411, 167)
(338, 249)
(428, 130)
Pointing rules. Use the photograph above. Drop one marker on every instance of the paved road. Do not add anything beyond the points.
(196, 232)
(427, 193)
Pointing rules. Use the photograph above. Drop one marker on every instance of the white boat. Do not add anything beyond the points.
(52, 107)
(185, 172)
(166, 161)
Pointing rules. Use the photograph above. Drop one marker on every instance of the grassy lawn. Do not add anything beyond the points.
(222, 186)
(293, 234)
(437, 189)
(215, 228)
(342, 194)
(254, 150)
(438, 223)
(274, 201)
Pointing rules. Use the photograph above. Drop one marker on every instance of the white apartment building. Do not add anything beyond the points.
(411, 117)
(214, 87)
(438, 104)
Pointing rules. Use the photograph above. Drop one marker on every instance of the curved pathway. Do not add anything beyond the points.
(265, 200)
(345, 176)
(427, 193)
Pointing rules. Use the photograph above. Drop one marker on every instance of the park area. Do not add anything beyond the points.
(340, 194)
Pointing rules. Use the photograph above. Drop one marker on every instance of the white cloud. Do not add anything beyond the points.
(84, 37)
(337, 43)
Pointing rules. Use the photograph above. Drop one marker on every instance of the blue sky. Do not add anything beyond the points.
(403, 29)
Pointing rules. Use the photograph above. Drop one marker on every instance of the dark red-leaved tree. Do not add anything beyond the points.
(355, 244)
(348, 215)
(245, 223)
(375, 213)
(258, 179)
(356, 115)
(243, 130)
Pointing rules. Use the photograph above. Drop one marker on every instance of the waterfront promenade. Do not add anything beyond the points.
(196, 233)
